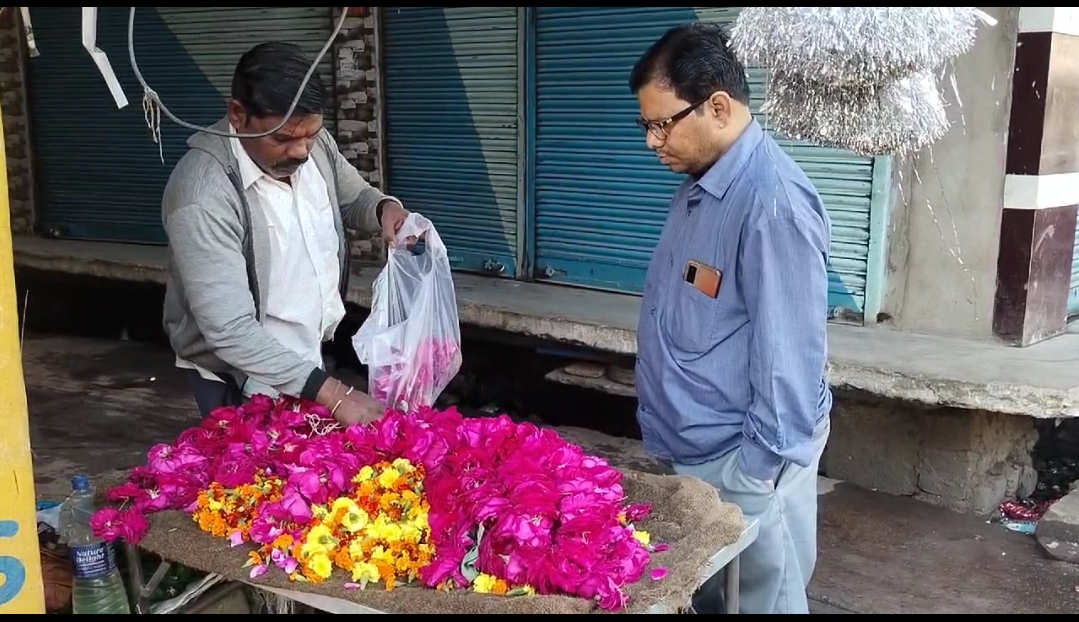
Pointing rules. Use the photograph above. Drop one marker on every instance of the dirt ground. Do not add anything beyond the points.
(96, 406)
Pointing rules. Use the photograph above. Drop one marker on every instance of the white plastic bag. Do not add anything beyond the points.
(411, 342)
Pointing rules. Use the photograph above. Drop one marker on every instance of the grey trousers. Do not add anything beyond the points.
(211, 395)
(776, 569)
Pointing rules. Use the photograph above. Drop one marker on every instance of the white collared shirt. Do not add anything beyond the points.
(303, 306)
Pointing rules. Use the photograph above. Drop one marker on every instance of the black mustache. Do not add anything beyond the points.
(293, 163)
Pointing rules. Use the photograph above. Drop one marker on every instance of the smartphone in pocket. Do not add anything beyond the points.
(705, 278)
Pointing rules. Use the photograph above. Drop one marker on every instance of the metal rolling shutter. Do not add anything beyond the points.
(451, 105)
(601, 197)
(99, 174)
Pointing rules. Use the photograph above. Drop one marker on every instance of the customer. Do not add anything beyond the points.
(732, 335)
(258, 252)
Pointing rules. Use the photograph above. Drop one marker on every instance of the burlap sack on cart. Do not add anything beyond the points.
(687, 515)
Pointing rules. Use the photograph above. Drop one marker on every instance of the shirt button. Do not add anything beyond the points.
(670, 262)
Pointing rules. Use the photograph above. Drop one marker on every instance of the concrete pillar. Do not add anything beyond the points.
(1041, 185)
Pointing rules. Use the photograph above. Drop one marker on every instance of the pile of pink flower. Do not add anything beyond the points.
(420, 380)
(521, 503)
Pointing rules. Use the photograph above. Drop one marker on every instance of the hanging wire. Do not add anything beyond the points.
(153, 107)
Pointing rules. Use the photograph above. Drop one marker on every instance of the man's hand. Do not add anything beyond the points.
(349, 405)
(393, 216)
(358, 407)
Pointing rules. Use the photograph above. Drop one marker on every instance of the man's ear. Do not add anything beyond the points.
(237, 114)
(720, 107)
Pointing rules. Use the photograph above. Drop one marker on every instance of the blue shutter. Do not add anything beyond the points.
(99, 174)
(1073, 295)
(601, 196)
(451, 139)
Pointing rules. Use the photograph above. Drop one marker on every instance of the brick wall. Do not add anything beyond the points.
(16, 128)
(357, 97)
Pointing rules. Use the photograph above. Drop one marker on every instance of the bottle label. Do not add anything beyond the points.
(93, 561)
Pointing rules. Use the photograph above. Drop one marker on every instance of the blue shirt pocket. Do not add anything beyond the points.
(689, 319)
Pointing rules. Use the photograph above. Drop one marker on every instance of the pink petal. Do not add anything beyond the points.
(659, 548)
(352, 586)
(258, 571)
(236, 538)
(659, 574)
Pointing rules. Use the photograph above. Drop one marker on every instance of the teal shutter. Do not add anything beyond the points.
(451, 135)
(99, 174)
(1073, 294)
(601, 196)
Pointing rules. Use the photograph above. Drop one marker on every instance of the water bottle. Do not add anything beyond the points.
(97, 586)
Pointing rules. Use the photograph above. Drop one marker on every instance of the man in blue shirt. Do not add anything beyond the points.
(732, 340)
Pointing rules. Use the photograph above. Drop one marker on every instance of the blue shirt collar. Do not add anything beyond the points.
(718, 179)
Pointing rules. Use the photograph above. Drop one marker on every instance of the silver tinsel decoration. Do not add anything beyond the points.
(856, 78)
(903, 116)
(854, 45)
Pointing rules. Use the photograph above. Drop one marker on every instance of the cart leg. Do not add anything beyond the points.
(730, 601)
(140, 590)
(134, 569)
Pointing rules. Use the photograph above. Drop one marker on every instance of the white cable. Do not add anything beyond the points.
(152, 99)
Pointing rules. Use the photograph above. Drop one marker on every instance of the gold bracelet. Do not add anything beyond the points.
(335, 407)
(350, 390)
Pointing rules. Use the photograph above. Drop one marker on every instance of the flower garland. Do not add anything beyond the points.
(485, 505)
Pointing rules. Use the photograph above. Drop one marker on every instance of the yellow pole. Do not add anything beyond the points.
(21, 589)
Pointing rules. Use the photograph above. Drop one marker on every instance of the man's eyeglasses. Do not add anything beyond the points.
(660, 129)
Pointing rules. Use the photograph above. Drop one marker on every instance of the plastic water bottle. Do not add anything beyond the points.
(97, 586)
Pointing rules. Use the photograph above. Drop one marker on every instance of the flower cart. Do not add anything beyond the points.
(419, 513)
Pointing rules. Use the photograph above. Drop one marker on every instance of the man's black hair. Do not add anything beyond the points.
(694, 61)
(267, 78)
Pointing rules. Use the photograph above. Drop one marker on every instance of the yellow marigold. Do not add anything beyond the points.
(388, 478)
(321, 565)
(319, 540)
(488, 584)
(365, 474)
(364, 573)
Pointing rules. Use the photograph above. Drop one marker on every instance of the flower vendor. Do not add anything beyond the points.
(732, 334)
(258, 250)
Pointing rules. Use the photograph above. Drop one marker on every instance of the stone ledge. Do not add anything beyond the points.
(1058, 530)
(1040, 381)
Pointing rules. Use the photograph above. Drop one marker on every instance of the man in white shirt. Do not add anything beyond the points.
(258, 249)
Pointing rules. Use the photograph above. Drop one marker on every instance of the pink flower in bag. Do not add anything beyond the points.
(418, 382)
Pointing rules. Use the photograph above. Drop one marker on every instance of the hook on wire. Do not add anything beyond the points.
(153, 107)
(151, 112)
